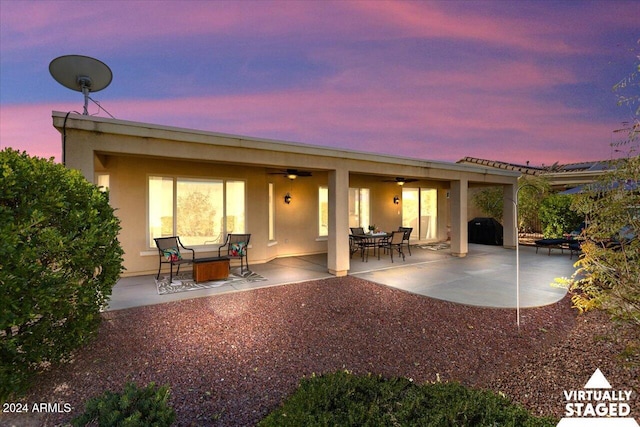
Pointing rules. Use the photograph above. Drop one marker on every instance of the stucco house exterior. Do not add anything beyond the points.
(202, 185)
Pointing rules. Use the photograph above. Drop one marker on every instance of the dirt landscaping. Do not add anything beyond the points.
(231, 359)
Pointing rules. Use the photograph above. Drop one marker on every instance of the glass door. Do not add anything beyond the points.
(420, 212)
(411, 209)
(428, 213)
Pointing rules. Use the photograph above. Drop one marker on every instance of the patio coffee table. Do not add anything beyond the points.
(214, 268)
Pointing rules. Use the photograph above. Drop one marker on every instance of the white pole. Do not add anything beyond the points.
(517, 265)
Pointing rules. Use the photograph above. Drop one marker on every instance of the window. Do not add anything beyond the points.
(359, 207)
(323, 211)
(271, 214)
(420, 212)
(199, 211)
(102, 181)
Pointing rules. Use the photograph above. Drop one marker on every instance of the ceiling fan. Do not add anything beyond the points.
(292, 173)
(401, 180)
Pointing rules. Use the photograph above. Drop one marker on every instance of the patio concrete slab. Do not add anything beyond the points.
(485, 277)
(141, 290)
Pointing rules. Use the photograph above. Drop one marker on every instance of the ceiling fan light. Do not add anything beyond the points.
(292, 176)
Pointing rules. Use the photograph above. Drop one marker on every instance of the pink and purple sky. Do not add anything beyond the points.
(514, 81)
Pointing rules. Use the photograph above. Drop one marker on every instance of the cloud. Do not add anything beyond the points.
(496, 126)
(434, 80)
(29, 128)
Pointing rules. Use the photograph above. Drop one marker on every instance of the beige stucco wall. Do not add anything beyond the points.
(295, 223)
(128, 177)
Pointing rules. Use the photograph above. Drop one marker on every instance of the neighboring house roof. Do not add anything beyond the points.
(526, 170)
(561, 176)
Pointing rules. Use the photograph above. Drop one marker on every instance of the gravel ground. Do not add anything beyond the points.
(231, 359)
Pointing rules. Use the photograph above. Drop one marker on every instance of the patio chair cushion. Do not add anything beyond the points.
(238, 249)
(172, 254)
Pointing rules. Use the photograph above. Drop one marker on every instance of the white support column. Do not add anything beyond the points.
(443, 214)
(79, 154)
(459, 230)
(338, 244)
(509, 220)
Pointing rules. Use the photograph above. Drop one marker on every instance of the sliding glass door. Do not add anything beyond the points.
(420, 212)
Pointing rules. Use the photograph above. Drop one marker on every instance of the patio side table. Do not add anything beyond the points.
(214, 268)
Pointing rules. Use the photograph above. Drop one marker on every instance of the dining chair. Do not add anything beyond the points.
(169, 251)
(407, 235)
(394, 243)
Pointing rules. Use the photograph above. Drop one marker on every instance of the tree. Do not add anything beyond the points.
(489, 201)
(608, 271)
(532, 190)
(59, 259)
(608, 274)
(197, 216)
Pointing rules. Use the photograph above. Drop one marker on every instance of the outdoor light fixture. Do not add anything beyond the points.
(287, 198)
(396, 200)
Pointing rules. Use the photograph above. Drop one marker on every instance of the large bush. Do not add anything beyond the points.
(557, 216)
(343, 399)
(59, 259)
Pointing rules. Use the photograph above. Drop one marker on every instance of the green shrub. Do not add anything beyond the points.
(59, 259)
(348, 400)
(132, 408)
(556, 216)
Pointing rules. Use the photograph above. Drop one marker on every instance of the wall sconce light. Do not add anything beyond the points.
(396, 200)
(287, 198)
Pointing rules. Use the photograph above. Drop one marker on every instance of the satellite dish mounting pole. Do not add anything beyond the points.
(85, 83)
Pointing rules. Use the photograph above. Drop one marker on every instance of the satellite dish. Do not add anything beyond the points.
(81, 73)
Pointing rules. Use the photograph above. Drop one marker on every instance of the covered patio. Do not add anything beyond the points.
(294, 199)
(485, 277)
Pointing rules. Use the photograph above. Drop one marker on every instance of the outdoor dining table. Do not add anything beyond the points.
(367, 241)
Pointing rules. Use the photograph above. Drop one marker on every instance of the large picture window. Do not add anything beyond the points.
(199, 211)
